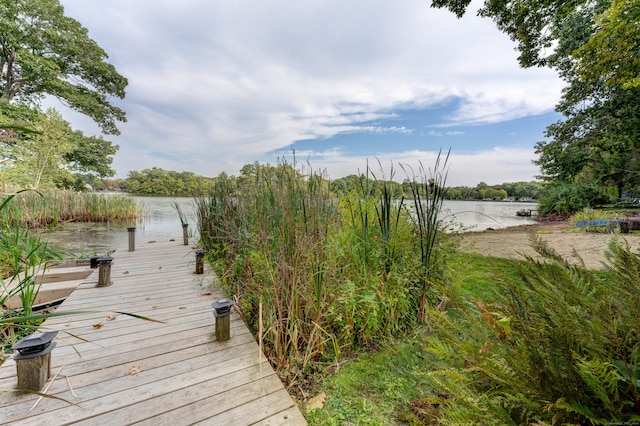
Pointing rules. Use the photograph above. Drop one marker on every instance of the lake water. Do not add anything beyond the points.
(162, 223)
(481, 215)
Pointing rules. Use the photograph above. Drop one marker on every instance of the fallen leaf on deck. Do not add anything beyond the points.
(206, 293)
(111, 317)
(97, 326)
(182, 307)
(134, 370)
(125, 272)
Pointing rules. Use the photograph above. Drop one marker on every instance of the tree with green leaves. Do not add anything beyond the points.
(595, 47)
(48, 156)
(611, 56)
(37, 162)
(539, 27)
(156, 181)
(596, 143)
(43, 52)
(91, 155)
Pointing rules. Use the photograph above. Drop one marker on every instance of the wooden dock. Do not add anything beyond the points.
(527, 212)
(122, 370)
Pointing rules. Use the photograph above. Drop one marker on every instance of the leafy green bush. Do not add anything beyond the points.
(559, 345)
(565, 198)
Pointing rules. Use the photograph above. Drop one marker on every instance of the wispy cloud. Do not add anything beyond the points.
(216, 85)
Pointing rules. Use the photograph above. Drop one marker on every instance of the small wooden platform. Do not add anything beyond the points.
(527, 212)
(122, 370)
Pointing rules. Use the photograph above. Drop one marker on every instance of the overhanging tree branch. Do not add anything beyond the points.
(45, 52)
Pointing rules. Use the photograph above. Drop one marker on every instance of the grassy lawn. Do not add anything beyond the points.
(377, 388)
(389, 386)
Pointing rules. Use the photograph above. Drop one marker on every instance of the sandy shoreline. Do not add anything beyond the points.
(561, 235)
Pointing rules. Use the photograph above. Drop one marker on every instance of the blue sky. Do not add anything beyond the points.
(216, 85)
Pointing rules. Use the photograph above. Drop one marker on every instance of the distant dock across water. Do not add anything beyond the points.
(112, 368)
(527, 212)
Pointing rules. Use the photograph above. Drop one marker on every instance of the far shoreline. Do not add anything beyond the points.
(541, 225)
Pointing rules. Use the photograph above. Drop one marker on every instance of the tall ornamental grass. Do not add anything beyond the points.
(41, 209)
(316, 277)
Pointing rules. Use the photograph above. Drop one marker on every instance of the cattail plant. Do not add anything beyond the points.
(326, 271)
(388, 213)
(428, 197)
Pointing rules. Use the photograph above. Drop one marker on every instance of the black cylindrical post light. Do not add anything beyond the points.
(222, 312)
(33, 361)
(200, 260)
(132, 238)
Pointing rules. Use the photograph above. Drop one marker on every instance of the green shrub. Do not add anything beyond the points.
(559, 345)
(565, 198)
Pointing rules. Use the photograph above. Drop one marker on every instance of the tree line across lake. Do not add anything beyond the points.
(156, 181)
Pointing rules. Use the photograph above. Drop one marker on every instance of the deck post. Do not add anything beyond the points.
(200, 260)
(33, 361)
(185, 233)
(104, 271)
(222, 313)
(132, 238)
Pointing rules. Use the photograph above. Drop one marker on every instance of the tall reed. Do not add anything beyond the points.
(388, 212)
(42, 209)
(21, 256)
(429, 193)
(332, 275)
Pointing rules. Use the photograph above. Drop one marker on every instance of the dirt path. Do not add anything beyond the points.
(561, 236)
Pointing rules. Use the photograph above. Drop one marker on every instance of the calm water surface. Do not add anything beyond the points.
(162, 223)
(481, 215)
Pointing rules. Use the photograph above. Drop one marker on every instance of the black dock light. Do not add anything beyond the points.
(200, 260)
(33, 360)
(104, 271)
(132, 238)
(185, 233)
(93, 262)
(222, 312)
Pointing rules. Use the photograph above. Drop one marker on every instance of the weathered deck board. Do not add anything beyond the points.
(133, 371)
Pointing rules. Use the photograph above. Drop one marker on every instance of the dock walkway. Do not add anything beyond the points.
(122, 370)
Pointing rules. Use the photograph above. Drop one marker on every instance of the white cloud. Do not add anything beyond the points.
(216, 85)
